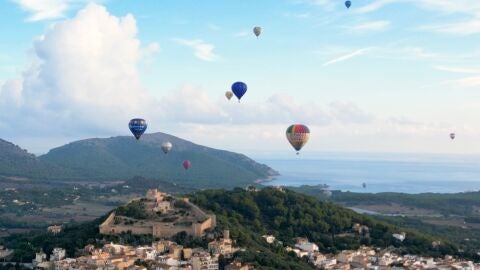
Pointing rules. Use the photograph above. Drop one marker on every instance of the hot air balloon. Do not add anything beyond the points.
(257, 30)
(229, 95)
(137, 126)
(452, 136)
(364, 185)
(239, 89)
(166, 147)
(348, 4)
(187, 164)
(298, 136)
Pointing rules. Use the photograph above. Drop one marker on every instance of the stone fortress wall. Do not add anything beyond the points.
(161, 229)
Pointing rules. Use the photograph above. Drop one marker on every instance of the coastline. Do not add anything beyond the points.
(269, 178)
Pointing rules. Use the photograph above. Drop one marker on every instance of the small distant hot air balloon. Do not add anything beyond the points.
(239, 89)
(348, 4)
(298, 136)
(229, 95)
(452, 136)
(187, 164)
(257, 30)
(137, 126)
(166, 147)
(364, 185)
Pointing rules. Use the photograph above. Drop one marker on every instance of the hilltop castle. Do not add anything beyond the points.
(166, 216)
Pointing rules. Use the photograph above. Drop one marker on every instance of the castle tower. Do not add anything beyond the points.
(226, 234)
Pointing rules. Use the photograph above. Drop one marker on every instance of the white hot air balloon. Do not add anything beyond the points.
(166, 147)
(229, 95)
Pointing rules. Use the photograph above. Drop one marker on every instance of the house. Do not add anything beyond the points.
(305, 245)
(39, 258)
(317, 258)
(64, 264)
(399, 236)
(236, 265)
(203, 261)
(57, 254)
(54, 229)
(224, 246)
(360, 261)
(346, 256)
(270, 239)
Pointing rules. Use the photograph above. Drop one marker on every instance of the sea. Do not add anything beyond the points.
(392, 172)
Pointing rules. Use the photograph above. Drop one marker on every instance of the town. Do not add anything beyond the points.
(168, 255)
(163, 216)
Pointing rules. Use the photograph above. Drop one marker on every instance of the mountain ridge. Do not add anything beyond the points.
(123, 157)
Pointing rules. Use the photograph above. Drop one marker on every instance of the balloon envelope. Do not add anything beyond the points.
(187, 164)
(137, 126)
(257, 30)
(229, 95)
(452, 136)
(348, 4)
(239, 89)
(298, 135)
(166, 147)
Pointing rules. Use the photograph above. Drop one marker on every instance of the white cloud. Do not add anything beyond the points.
(347, 56)
(370, 26)
(468, 27)
(457, 69)
(466, 82)
(202, 49)
(83, 78)
(349, 113)
(375, 5)
(47, 9)
(446, 6)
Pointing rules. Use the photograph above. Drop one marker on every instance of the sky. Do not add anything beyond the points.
(382, 76)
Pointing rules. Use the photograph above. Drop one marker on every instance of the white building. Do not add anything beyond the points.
(57, 254)
(399, 236)
(307, 246)
(39, 258)
(203, 261)
(269, 238)
(64, 264)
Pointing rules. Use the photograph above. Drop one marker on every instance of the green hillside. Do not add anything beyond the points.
(249, 215)
(287, 215)
(17, 162)
(121, 158)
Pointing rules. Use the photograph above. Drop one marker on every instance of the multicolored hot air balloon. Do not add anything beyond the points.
(229, 95)
(187, 164)
(137, 126)
(452, 136)
(166, 147)
(239, 89)
(298, 136)
(348, 4)
(257, 30)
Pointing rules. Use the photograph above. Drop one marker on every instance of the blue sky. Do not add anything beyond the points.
(382, 76)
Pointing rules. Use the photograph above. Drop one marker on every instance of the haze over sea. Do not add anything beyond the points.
(407, 173)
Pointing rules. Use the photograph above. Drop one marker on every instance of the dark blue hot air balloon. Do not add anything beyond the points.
(137, 126)
(348, 4)
(239, 89)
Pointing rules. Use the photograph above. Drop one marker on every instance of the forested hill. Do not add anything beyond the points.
(287, 214)
(123, 157)
(249, 215)
(17, 162)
